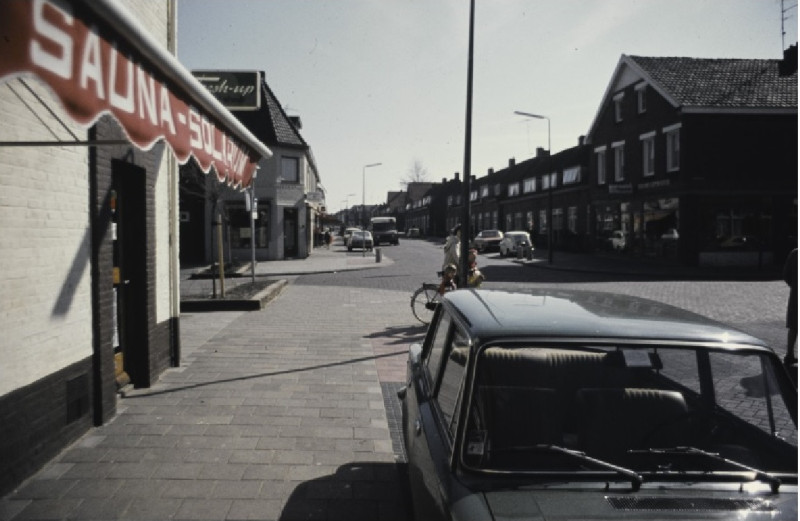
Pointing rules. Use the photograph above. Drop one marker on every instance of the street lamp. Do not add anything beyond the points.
(347, 207)
(549, 185)
(364, 191)
(363, 199)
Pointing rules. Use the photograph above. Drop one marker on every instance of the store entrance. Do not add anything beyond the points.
(130, 273)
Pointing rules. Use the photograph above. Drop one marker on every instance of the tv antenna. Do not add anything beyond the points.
(785, 17)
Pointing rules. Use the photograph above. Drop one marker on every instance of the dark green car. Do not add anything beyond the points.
(581, 405)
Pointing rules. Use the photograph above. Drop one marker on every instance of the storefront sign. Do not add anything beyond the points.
(620, 189)
(236, 90)
(93, 71)
(652, 185)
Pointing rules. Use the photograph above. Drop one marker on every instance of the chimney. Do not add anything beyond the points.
(295, 121)
(541, 152)
(490, 171)
(512, 161)
(788, 65)
(581, 140)
(444, 180)
(457, 177)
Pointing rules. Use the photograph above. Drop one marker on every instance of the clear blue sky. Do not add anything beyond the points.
(385, 80)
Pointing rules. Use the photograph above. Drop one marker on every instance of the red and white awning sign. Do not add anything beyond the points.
(93, 71)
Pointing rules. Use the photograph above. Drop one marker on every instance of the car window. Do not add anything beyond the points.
(449, 393)
(434, 356)
(741, 386)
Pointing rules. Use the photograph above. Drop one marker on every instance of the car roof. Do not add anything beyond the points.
(555, 313)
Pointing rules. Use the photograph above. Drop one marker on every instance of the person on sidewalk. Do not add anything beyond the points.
(452, 247)
(790, 276)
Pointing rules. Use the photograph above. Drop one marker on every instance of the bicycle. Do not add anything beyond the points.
(424, 301)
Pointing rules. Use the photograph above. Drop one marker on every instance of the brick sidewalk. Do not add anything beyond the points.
(275, 414)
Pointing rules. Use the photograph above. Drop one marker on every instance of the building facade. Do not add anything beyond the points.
(287, 198)
(89, 176)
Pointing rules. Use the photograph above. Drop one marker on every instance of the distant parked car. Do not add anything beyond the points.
(348, 232)
(360, 239)
(412, 233)
(513, 241)
(487, 240)
(560, 404)
(670, 235)
(617, 241)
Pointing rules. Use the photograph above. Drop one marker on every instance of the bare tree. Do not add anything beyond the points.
(416, 173)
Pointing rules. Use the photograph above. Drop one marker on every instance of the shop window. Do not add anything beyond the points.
(572, 219)
(542, 221)
(558, 219)
(239, 219)
(290, 170)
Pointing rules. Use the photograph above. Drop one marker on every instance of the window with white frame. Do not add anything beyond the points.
(473, 195)
(673, 136)
(572, 219)
(619, 160)
(648, 153)
(290, 170)
(641, 98)
(546, 182)
(558, 219)
(618, 107)
(449, 200)
(554, 180)
(529, 185)
(484, 191)
(572, 175)
(600, 160)
(513, 189)
(498, 190)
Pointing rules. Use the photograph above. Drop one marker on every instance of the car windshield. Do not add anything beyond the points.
(634, 410)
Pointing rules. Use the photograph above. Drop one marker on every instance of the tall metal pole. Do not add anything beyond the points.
(363, 206)
(466, 233)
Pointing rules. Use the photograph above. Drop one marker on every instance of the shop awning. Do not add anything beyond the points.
(98, 60)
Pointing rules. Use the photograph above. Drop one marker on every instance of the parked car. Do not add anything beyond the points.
(360, 239)
(558, 404)
(616, 240)
(347, 233)
(487, 240)
(513, 242)
(412, 233)
(670, 235)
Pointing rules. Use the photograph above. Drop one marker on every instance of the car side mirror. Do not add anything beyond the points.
(414, 355)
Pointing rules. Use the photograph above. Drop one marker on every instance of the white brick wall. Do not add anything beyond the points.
(45, 301)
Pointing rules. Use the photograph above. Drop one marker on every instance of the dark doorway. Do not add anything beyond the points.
(290, 232)
(130, 278)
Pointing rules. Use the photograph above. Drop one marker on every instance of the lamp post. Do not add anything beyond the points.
(363, 201)
(347, 207)
(549, 185)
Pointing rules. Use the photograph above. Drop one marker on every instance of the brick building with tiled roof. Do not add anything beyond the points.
(696, 159)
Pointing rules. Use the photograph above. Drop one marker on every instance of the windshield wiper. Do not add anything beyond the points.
(773, 480)
(635, 478)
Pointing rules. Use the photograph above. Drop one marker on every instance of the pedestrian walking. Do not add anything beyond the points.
(452, 247)
(790, 276)
(327, 239)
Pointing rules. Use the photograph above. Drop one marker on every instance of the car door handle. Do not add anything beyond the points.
(417, 427)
